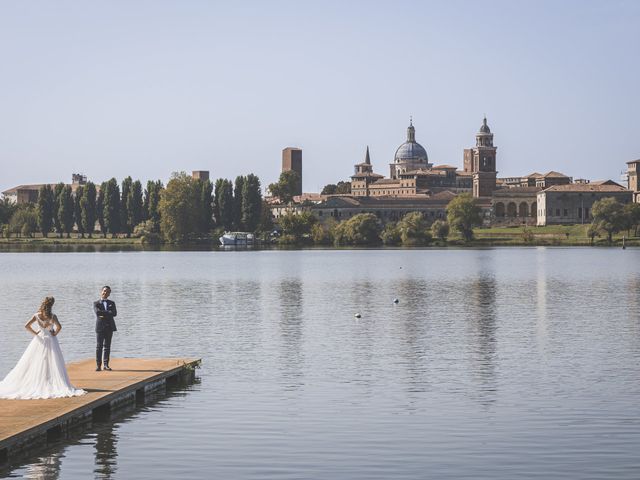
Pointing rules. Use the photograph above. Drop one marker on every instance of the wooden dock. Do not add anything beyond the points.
(29, 424)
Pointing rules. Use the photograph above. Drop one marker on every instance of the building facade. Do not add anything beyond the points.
(633, 172)
(571, 204)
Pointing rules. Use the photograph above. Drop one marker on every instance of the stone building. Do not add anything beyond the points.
(412, 174)
(633, 172)
(200, 175)
(390, 209)
(515, 206)
(29, 193)
(572, 203)
(292, 160)
(480, 161)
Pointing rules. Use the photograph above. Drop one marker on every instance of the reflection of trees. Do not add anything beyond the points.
(105, 452)
(48, 468)
(291, 307)
(416, 296)
(483, 302)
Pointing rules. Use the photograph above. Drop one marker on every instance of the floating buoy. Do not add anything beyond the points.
(395, 300)
(357, 315)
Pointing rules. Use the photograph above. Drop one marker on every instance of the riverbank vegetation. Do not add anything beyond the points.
(192, 210)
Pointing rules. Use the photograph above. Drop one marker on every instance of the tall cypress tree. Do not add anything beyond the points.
(65, 210)
(100, 208)
(225, 204)
(111, 209)
(125, 204)
(135, 204)
(57, 194)
(251, 202)
(237, 202)
(151, 202)
(45, 209)
(77, 209)
(217, 192)
(88, 209)
(203, 207)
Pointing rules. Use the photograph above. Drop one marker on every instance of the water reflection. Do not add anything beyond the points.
(482, 300)
(106, 452)
(47, 468)
(416, 298)
(291, 357)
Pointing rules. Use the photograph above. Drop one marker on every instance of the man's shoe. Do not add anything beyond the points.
(107, 367)
(98, 369)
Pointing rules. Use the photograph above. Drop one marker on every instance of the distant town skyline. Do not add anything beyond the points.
(147, 88)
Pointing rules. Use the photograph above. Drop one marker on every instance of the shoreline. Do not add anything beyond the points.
(550, 236)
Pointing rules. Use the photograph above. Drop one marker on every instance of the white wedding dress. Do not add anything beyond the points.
(40, 372)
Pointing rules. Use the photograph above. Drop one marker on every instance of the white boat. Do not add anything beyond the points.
(237, 238)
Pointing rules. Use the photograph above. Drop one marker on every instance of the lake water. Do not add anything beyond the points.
(499, 363)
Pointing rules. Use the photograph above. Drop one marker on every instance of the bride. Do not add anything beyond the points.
(40, 372)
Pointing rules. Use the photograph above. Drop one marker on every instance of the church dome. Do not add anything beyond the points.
(484, 128)
(411, 150)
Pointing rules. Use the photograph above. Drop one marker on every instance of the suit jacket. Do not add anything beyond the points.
(104, 317)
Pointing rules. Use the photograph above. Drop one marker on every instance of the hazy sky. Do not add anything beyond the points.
(145, 88)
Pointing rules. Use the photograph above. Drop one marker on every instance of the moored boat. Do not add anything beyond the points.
(237, 238)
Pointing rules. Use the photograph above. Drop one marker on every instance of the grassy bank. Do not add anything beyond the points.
(566, 235)
(555, 235)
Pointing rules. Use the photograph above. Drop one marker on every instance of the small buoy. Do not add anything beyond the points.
(395, 300)
(357, 315)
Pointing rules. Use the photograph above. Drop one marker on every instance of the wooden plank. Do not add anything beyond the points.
(24, 419)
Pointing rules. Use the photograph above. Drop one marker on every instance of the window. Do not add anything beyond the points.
(557, 212)
(566, 212)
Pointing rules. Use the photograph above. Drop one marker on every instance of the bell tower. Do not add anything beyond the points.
(483, 162)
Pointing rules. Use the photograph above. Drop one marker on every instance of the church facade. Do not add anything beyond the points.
(411, 173)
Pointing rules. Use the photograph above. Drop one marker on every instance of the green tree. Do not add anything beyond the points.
(217, 192)
(608, 216)
(286, 186)
(361, 229)
(237, 202)
(65, 210)
(111, 207)
(592, 232)
(440, 230)
(414, 229)
(335, 189)
(100, 202)
(178, 218)
(151, 202)
(88, 209)
(296, 226)
(57, 220)
(125, 207)
(77, 209)
(463, 214)
(631, 212)
(251, 203)
(205, 205)
(390, 234)
(266, 217)
(224, 204)
(7, 208)
(24, 220)
(134, 204)
(45, 209)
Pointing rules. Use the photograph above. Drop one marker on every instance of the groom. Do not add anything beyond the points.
(105, 326)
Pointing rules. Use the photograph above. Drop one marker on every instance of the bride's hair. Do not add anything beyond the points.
(45, 306)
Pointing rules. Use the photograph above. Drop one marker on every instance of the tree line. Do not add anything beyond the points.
(413, 229)
(185, 209)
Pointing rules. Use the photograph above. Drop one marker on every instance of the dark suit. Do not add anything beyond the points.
(105, 326)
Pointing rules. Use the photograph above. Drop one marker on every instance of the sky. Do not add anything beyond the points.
(147, 88)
